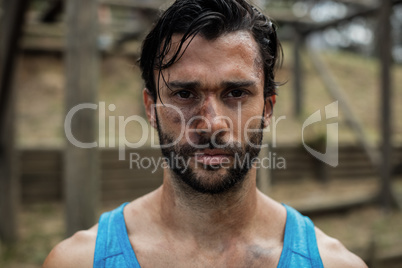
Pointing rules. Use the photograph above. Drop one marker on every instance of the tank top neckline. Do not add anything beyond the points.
(288, 240)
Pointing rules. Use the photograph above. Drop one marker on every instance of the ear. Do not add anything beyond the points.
(269, 109)
(149, 104)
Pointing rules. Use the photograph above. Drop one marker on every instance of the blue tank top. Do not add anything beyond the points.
(113, 248)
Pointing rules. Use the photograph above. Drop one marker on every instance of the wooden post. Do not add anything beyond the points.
(81, 164)
(385, 48)
(9, 179)
(11, 25)
(297, 72)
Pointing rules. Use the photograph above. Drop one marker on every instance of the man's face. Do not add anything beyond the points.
(213, 111)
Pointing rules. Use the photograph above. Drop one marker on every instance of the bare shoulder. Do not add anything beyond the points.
(76, 251)
(334, 254)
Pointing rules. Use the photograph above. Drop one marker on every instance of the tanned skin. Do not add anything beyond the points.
(174, 226)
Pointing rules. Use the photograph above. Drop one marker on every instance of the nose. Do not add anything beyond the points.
(212, 118)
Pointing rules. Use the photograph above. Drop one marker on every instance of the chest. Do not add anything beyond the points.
(187, 255)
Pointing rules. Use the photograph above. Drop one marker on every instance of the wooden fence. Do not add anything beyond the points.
(41, 171)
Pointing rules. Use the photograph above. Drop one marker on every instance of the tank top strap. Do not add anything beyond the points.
(113, 247)
(300, 244)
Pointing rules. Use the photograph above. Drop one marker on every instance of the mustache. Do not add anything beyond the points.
(231, 148)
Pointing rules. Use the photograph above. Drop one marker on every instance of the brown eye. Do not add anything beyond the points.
(184, 94)
(236, 93)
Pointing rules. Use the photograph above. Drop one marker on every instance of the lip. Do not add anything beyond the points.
(213, 157)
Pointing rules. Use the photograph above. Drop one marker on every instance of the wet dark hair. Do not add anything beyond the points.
(211, 19)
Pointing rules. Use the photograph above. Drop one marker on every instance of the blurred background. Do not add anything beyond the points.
(342, 61)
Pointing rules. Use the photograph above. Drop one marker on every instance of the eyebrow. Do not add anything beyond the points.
(197, 84)
(238, 84)
(184, 84)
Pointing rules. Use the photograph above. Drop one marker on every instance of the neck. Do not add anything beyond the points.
(209, 216)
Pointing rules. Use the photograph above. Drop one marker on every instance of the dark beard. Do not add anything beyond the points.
(178, 157)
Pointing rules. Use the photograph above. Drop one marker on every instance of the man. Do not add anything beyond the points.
(208, 67)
